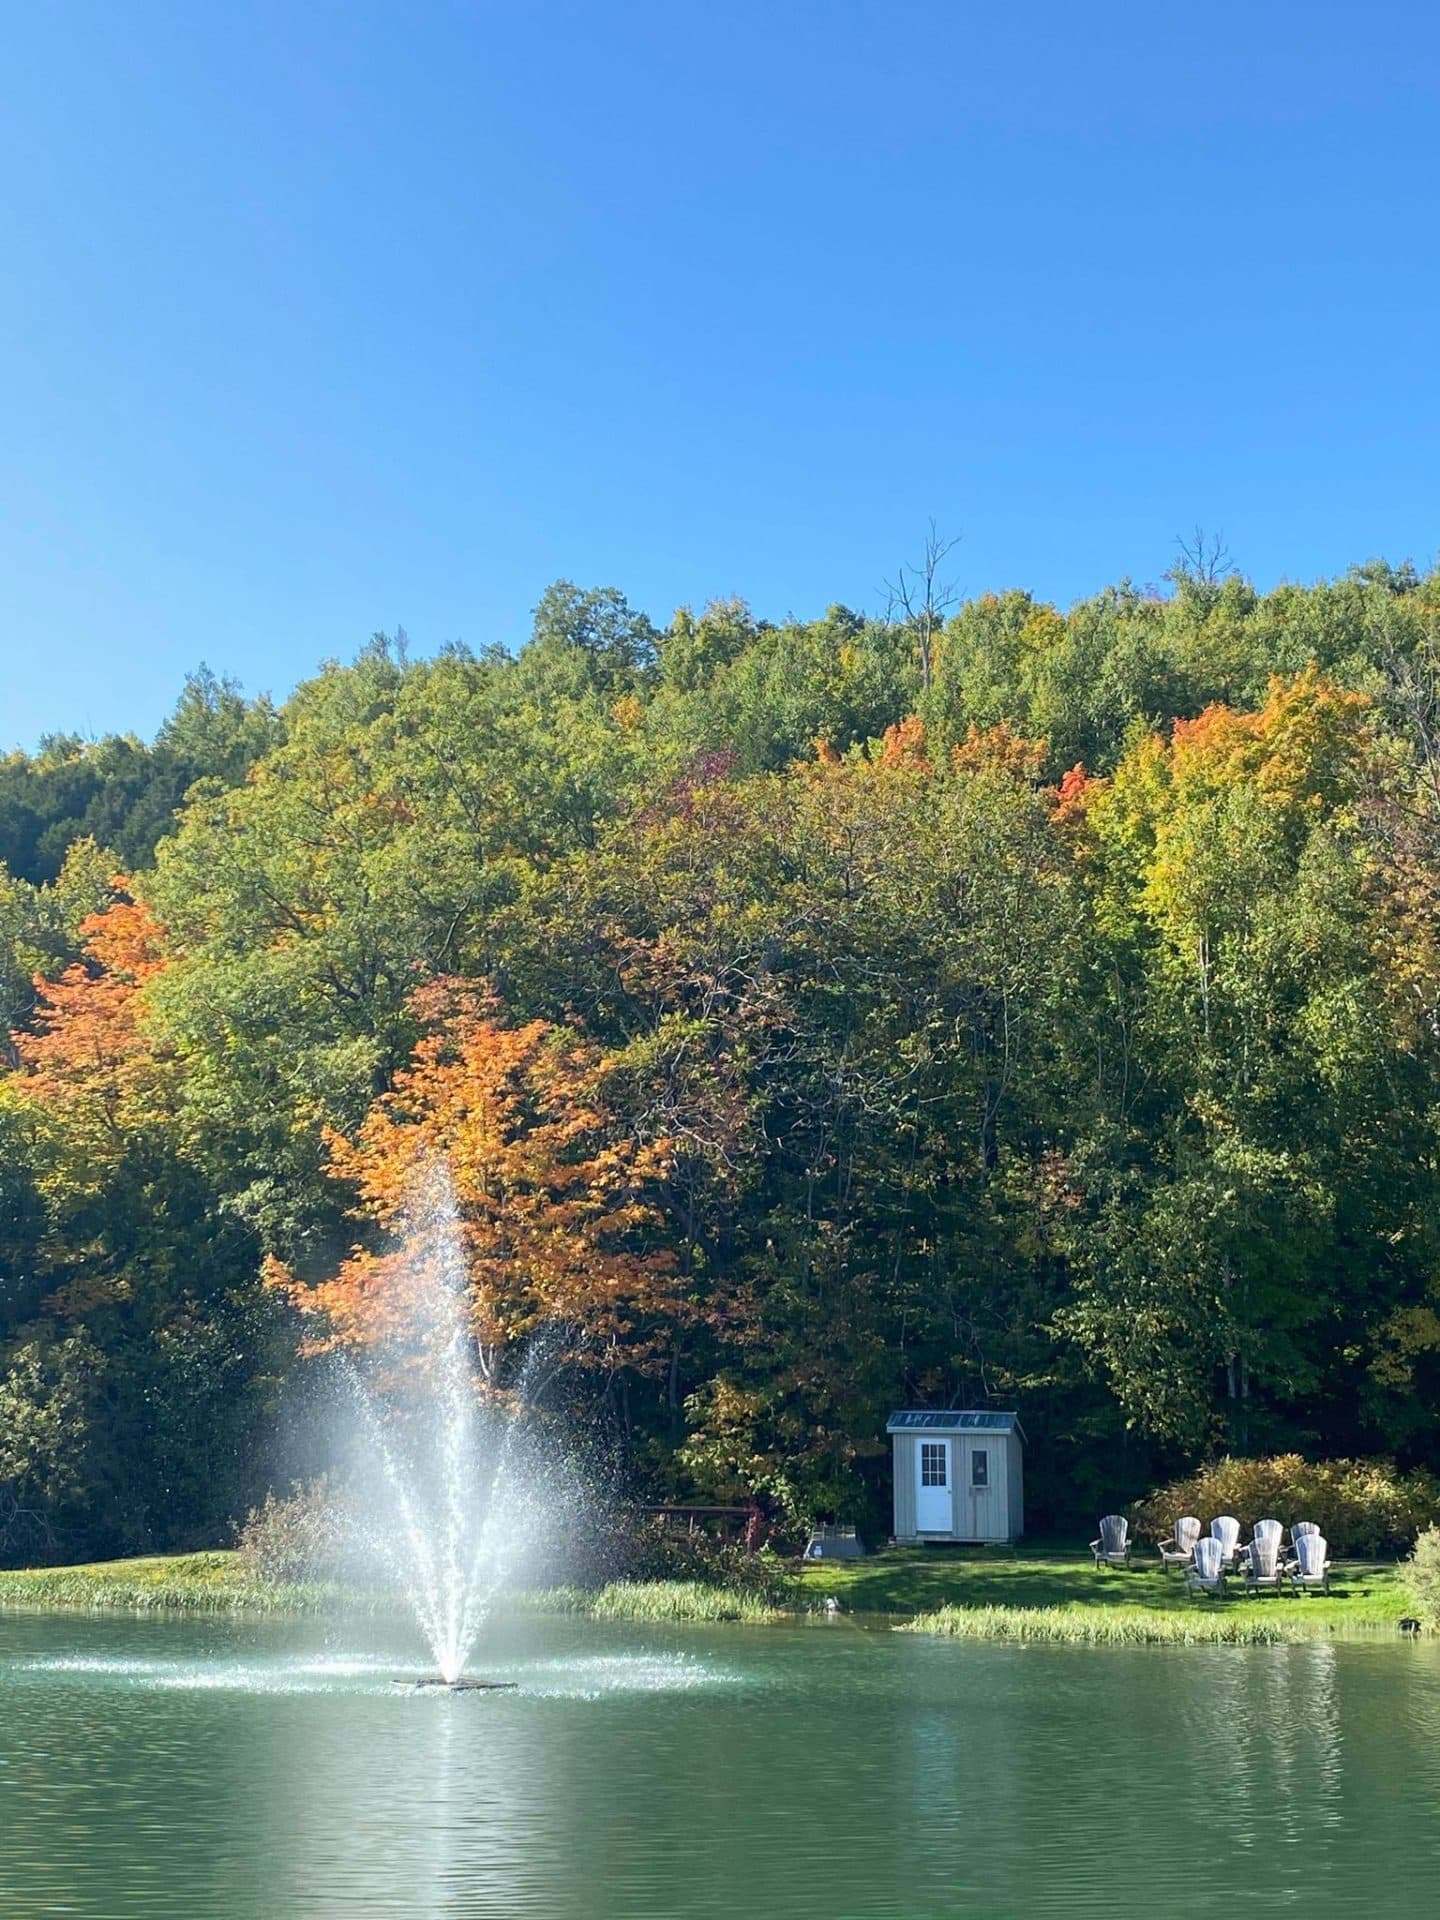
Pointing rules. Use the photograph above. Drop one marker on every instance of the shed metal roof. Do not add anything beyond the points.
(952, 1420)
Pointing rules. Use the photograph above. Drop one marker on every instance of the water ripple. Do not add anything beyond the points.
(153, 1771)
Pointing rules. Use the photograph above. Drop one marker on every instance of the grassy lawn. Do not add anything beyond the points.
(1044, 1593)
(179, 1582)
(920, 1580)
(217, 1583)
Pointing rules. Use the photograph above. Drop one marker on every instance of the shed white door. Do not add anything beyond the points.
(934, 1509)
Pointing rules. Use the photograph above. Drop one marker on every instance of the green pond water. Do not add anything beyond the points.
(221, 1771)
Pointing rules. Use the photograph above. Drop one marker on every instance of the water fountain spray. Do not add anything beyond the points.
(456, 1494)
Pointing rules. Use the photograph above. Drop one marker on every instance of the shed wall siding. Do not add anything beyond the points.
(904, 1455)
(1000, 1505)
(1016, 1457)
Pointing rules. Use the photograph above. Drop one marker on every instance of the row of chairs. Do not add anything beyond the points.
(1207, 1558)
(1264, 1566)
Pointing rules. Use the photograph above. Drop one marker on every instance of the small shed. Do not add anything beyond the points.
(959, 1475)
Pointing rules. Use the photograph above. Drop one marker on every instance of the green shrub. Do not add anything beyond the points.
(296, 1536)
(1422, 1577)
(648, 1548)
(1361, 1506)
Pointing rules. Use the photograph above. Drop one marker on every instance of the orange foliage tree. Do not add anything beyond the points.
(999, 750)
(1073, 795)
(498, 1140)
(90, 1057)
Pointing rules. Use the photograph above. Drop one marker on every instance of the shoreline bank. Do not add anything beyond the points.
(1054, 1597)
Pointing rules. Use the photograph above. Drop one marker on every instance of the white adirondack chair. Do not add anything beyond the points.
(1262, 1562)
(1299, 1530)
(1227, 1531)
(1268, 1530)
(1310, 1570)
(1207, 1574)
(1179, 1549)
(1112, 1549)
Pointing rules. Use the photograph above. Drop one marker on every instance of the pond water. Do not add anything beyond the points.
(264, 1771)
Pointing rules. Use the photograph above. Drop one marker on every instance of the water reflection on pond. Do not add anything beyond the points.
(152, 1768)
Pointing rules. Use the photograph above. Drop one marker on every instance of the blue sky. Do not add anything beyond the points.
(322, 317)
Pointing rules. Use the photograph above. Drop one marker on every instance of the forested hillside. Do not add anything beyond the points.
(1036, 1008)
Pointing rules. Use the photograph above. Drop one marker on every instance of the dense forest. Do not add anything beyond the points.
(996, 1005)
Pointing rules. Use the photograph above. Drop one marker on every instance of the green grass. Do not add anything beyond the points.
(1026, 1593)
(1064, 1588)
(1114, 1626)
(662, 1600)
(217, 1583)
(178, 1582)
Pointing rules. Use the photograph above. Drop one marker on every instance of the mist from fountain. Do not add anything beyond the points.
(455, 1492)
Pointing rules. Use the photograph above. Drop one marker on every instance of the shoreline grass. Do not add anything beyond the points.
(217, 1583)
(1115, 1626)
(1022, 1594)
(167, 1583)
(662, 1601)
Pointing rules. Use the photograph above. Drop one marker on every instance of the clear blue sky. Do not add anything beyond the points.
(324, 316)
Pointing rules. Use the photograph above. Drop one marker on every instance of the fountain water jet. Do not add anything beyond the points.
(454, 1497)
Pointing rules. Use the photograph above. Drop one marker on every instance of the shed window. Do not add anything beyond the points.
(934, 1467)
(979, 1467)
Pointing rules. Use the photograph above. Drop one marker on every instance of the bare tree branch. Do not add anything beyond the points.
(1203, 560)
(918, 598)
